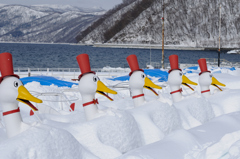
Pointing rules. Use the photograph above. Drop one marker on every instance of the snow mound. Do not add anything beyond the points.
(40, 142)
(194, 111)
(158, 117)
(224, 102)
(108, 136)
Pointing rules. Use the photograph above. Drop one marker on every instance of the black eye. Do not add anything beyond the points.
(143, 76)
(95, 79)
(15, 84)
(210, 76)
(180, 74)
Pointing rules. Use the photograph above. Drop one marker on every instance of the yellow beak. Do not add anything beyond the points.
(216, 83)
(101, 88)
(149, 85)
(24, 96)
(186, 81)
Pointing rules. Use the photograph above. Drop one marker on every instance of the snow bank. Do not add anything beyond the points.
(108, 136)
(210, 140)
(41, 141)
(158, 117)
(195, 127)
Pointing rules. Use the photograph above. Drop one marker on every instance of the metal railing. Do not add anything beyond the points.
(211, 61)
(107, 71)
(157, 65)
(67, 72)
(223, 63)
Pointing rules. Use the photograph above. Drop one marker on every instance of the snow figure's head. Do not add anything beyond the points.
(176, 78)
(138, 80)
(11, 88)
(90, 84)
(206, 79)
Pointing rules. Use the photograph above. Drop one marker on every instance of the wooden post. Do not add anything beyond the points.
(219, 46)
(29, 72)
(163, 34)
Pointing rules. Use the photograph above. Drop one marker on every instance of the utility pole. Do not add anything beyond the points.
(219, 46)
(163, 34)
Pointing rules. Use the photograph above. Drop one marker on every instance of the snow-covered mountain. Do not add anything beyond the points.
(190, 22)
(67, 8)
(44, 23)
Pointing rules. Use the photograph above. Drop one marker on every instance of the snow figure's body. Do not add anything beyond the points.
(106, 133)
(26, 140)
(206, 79)
(229, 98)
(11, 88)
(11, 92)
(160, 117)
(193, 110)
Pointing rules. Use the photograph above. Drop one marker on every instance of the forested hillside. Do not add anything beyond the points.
(187, 22)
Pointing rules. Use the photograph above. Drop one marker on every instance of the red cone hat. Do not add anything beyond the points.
(6, 65)
(84, 64)
(173, 59)
(133, 64)
(203, 65)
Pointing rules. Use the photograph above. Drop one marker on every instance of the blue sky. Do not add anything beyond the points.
(105, 4)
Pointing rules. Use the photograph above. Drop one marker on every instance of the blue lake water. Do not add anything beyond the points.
(64, 55)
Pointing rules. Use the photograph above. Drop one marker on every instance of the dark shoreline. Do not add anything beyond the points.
(167, 47)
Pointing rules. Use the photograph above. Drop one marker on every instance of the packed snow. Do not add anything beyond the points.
(195, 127)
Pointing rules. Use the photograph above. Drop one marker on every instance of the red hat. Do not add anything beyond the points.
(173, 59)
(6, 65)
(84, 64)
(203, 65)
(133, 64)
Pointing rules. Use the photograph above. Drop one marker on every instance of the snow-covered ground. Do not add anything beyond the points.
(195, 127)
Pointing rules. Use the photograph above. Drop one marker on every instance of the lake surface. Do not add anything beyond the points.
(64, 55)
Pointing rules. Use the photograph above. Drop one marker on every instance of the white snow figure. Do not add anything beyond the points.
(206, 79)
(194, 111)
(138, 80)
(29, 141)
(223, 102)
(107, 133)
(160, 117)
(89, 85)
(11, 92)
(176, 78)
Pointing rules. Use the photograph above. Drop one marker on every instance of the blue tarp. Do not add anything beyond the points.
(162, 75)
(121, 78)
(46, 80)
(193, 68)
